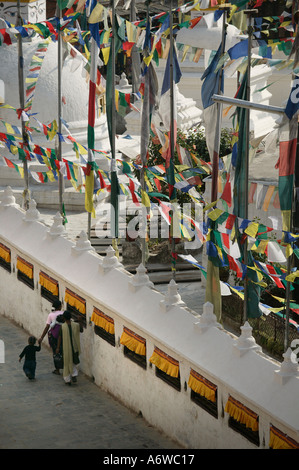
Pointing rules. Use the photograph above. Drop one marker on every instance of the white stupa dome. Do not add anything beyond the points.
(74, 86)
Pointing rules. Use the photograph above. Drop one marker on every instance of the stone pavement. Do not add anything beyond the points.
(47, 414)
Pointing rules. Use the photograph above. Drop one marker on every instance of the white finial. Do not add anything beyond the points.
(140, 279)
(57, 227)
(172, 298)
(207, 319)
(288, 368)
(110, 261)
(123, 80)
(246, 341)
(83, 244)
(32, 213)
(8, 198)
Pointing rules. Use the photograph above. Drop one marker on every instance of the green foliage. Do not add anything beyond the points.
(195, 142)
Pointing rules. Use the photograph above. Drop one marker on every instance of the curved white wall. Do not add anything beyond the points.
(249, 376)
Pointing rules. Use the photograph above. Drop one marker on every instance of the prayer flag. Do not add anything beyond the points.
(165, 113)
(253, 289)
(89, 181)
(111, 115)
(150, 89)
(213, 84)
(287, 133)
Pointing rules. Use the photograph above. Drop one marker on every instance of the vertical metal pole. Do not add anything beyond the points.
(142, 183)
(214, 188)
(287, 301)
(250, 32)
(113, 118)
(171, 121)
(135, 57)
(132, 11)
(93, 65)
(290, 258)
(22, 105)
(134, 48)
(59, 91)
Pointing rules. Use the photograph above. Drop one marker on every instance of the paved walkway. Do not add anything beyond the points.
(47, 414)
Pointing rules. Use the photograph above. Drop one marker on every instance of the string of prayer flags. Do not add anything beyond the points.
(34, 69)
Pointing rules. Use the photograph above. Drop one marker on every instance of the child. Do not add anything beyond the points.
(30, 360)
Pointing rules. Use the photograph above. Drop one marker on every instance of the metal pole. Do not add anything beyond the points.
(250, 33)
(171, 122)
(287, 301)
(246, 104)
(290, 258)
(142, 180)
(59, 91)
(215, 161)
(113, 118)
(134, 49)
(135, 58)
(22, 105)
(93, 67)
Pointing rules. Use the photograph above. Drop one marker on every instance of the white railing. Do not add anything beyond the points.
(235, 367)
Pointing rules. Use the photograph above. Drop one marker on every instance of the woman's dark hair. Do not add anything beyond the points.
(67, 314)
(56, 304)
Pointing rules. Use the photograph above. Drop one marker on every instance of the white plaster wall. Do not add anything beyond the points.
(250, 378)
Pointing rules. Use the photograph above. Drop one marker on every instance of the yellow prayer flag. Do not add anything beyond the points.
(82, 149)
(208, 206)
(286, 220)
(9, 128)
(145, 200)
(215, 214)
(252, 229)
(30, 80)
(106, 50)
(50, 176)
(261, 247)
(236, 291)
(291, 277)
(129, 28)
(53, 131)
(21, 171)
(89, 187)
(13, 149)
(36, 59)
(213, 289)
(148, 59)
(185, 232)
(284, 24)
(289, 250)
(96, 14)
(106, 53)
(116, 99)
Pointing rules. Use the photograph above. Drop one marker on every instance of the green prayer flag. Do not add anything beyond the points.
(253, 290)
(111, 115)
